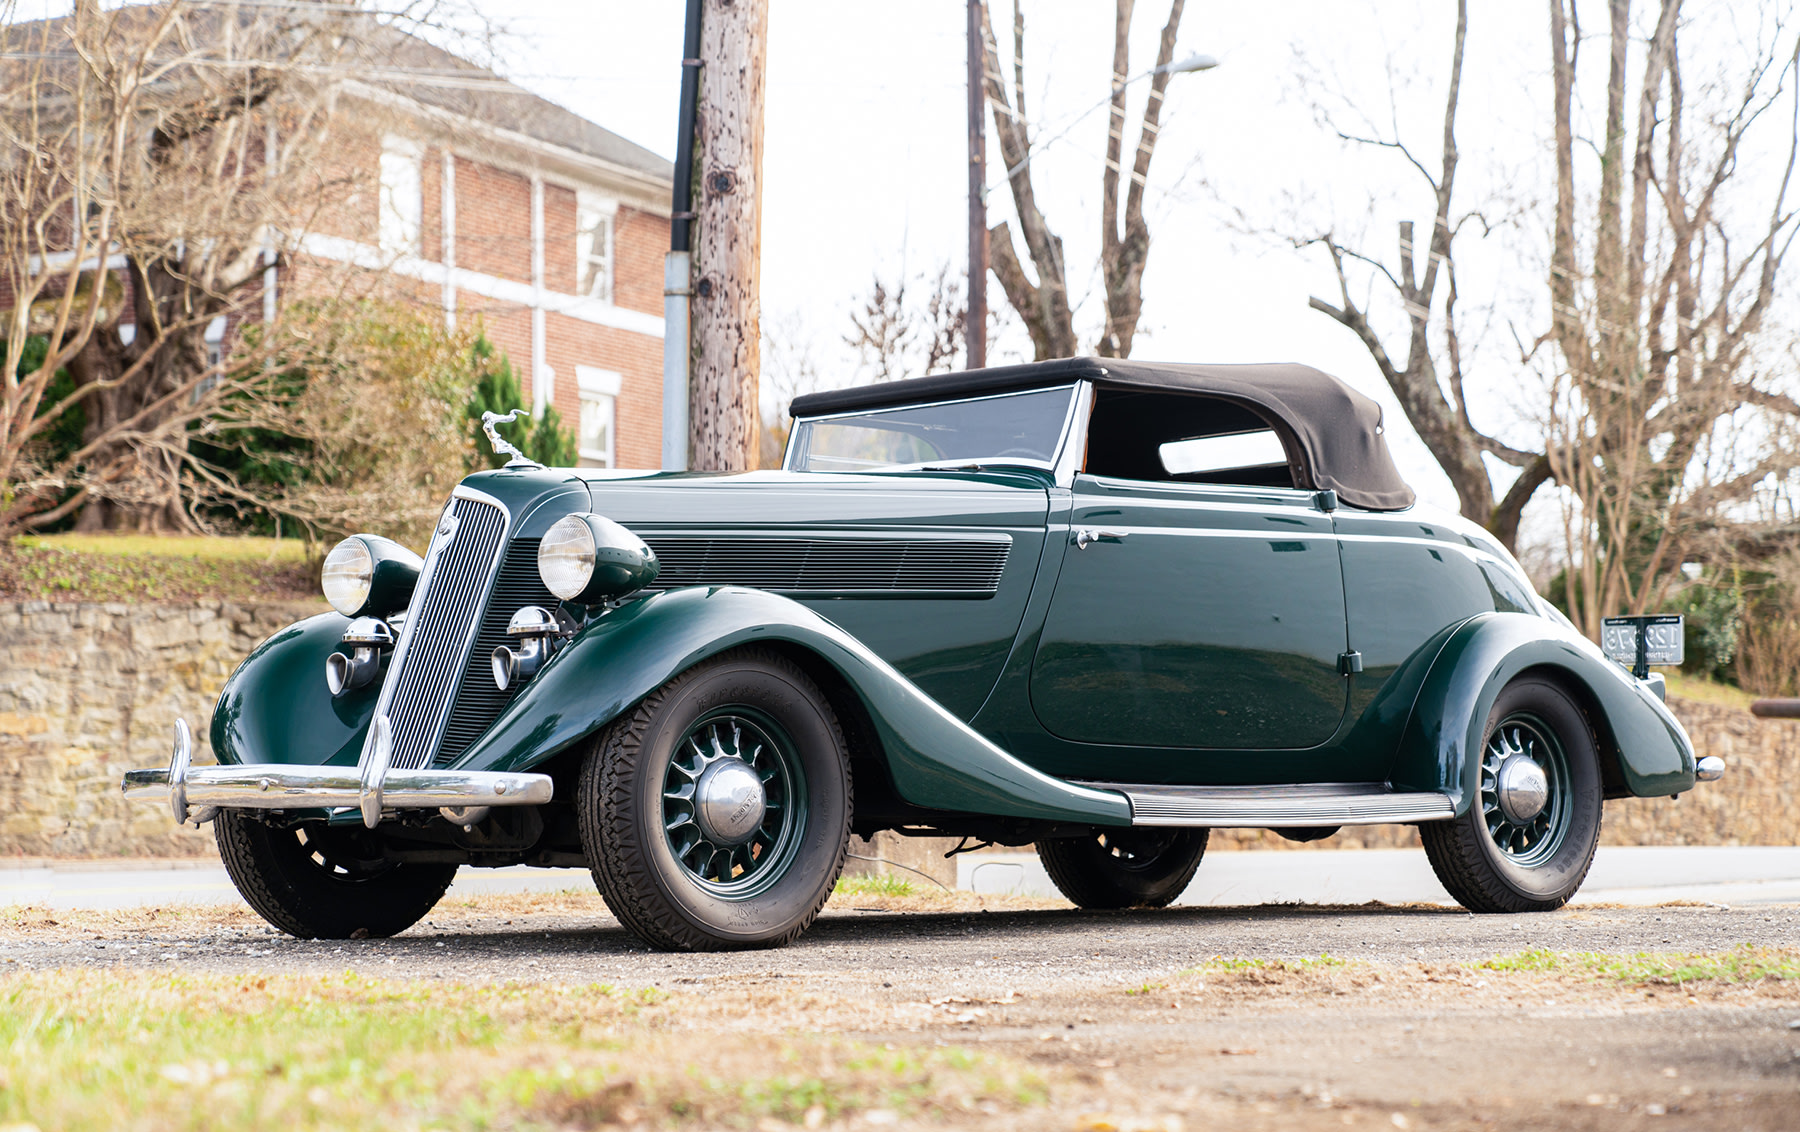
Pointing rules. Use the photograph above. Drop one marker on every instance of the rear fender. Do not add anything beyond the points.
(935, 759)
(1440, 748)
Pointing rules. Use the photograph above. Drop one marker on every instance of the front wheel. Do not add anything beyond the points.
(318, 881)
(1528, 838)
(716, 816)
(1124, 868)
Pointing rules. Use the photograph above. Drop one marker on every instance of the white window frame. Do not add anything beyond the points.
(598, 386)
(595, 261)
(402, 197)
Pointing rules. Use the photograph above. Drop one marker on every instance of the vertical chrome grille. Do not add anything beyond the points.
(440, 630)
(479, 703)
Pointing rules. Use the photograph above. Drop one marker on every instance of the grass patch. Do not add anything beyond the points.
(883, 884)
(97, 1050)
(1291, 966)
(1745, 963)
(1706, 691)
(136, 568)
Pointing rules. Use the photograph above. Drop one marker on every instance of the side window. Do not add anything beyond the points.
(1222, 453)
(1184, 438)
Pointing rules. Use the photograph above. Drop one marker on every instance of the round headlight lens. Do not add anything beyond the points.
(566, 557)
(348, 574)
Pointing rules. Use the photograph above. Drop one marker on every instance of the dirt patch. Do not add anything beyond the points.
(1035, 1018)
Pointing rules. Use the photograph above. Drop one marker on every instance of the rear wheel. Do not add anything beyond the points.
(717, 815)
(1124, 868)
(1528, 838)
(317, 881)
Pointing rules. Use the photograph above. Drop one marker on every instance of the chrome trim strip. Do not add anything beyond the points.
(276, 786)
(1071, 453)
(1274, 807)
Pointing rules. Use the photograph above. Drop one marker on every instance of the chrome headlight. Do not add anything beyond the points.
(587, 558)
(367, 575)
(348, 575)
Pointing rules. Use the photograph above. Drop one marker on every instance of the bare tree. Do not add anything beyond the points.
(1661, 419)
(158, 160)
(1428, 378)
(1044, 306)
(1671, 412)
(896, 338)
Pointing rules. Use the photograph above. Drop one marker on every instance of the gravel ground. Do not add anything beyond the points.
(974, 941)
(1406, 1034)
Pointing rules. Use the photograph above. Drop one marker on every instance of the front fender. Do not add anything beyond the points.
(277, 709)
(1440, 748)
(936, 760)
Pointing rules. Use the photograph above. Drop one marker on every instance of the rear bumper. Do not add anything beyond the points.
(198, 793)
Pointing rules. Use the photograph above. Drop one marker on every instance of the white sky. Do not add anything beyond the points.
(864, 162)
(864, 165)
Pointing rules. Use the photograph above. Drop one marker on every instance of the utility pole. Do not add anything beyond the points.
(727, 259)
(975, 326)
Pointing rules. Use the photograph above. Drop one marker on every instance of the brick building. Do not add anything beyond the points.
(503, 207)
(492, 204)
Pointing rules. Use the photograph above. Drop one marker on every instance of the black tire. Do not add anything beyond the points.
(325, 882)
(1490, 863)
(652, 858)
(1124, 868)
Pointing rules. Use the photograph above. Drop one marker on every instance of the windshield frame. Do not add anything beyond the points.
(1063, 466)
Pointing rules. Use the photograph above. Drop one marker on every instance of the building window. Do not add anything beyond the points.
(402, 195)
(594, 246)
(215, 356)
(599, 396)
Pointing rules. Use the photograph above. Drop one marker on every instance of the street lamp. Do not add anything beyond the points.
(975, 327)
(1194, 62)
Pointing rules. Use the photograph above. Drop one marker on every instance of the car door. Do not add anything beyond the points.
(1193, 616)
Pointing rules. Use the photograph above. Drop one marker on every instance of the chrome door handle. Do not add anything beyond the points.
(1085, 535)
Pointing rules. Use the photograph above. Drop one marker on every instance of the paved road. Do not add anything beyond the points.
(1634, 876)
(1621, 875)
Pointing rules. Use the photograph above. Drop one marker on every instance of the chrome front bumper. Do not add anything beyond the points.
(197, 794)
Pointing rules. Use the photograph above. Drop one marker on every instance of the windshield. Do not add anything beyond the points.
(1013, 428)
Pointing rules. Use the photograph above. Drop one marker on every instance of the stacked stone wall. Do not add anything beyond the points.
(88, 691)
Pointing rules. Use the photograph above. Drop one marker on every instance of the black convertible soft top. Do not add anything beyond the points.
(1338, 430)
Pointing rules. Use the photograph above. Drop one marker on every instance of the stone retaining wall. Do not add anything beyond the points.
(88, 691)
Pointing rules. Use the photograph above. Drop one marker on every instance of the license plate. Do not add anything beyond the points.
(1663, 639)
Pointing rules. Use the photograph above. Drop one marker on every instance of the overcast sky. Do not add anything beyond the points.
(864, 166)
(864, 163)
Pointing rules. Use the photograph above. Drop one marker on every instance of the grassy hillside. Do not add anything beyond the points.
(138, 568)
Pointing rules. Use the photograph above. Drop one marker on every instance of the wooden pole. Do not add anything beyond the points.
(727, 236)
(975, 328)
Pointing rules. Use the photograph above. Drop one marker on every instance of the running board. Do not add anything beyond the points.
(1277, 807)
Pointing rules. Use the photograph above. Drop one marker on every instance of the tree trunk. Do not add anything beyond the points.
(728, 236)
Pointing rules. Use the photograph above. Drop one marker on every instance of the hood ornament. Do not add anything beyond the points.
(499, 443)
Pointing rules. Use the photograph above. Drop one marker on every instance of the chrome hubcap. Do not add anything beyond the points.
(729, 802)
(733, 803)
(1524, 788)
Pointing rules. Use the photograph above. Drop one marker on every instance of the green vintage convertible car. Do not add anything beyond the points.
(1093, 605)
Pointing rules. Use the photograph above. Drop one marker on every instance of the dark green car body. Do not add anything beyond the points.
(1018, 651)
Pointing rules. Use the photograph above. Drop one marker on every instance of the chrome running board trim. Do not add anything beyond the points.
(1277, 807)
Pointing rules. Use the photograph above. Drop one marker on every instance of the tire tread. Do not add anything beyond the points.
(616, 854)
